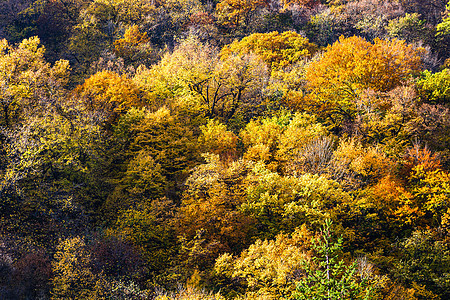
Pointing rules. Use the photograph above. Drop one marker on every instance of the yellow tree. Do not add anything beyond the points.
(210, 204)
(152, 154)
(73, 277)
(280, 142)
(237, 12)
(268, 269)
(26, 78)
(301, 3)
(352, 65)
(277, 50)
(194, 76)
(215, 138)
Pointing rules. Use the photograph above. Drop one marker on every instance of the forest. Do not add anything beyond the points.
(225, 149)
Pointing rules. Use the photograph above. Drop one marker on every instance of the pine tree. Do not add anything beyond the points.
(327, 276)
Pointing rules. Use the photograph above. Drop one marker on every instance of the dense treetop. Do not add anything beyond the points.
(224, 149)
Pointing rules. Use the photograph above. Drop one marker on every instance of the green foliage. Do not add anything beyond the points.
(327, 276)
(424, 260)
(409, 28)
(152, 154)
(99, 26)
(221, 152)
(435, 88)
(443, 28)
(149, 227)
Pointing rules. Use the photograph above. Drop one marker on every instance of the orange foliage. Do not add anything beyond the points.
(108, 92)
(417, 156)
(352, 65)
(132, 38)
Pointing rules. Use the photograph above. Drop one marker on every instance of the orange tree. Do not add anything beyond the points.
(109, 93)
(352, 65)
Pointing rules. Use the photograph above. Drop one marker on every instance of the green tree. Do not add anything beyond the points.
(100, 24)
(149, 226)
(409, 28)
(281, 203)
(424, 260)
(327, 276)
(435, 88)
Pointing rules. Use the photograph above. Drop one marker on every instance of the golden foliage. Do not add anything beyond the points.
(352, 65)
(109, 93)
(236, 12)
(190, 293)
(73, 278)
(277, 50)
(269, 268)
(215, 138)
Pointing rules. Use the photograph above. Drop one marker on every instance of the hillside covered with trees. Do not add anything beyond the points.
(225, 149)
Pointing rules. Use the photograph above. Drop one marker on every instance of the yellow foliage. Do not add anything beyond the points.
(389, 290)
(432, 192)
(370, 163)
(190, 293)
(277, 50)
(26, 78)
(193, 76)
(73, 278)
(301, 131)
(236, 12)
(217, 139)
(423, 293)
(301, 3)
(134, 46)
(269, 268)
(261, 132)
(280, 140)
(213, 193)
(132, 38)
